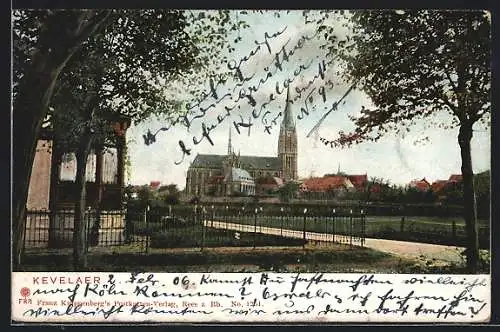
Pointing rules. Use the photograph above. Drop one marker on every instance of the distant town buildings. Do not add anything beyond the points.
(421, 185)
(437, 186)
(332, 185)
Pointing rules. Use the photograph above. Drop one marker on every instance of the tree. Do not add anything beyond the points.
(45, 41)
(170, 194)
(414, 65)
(106, 79)
(482, 186)
(288, 191)
(144, 195)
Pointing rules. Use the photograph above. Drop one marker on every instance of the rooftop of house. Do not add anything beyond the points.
(358, 180)
(422, 184)
(326, 183)
(439, 185)
(455, 178)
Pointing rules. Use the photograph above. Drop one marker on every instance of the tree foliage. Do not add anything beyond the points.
(414, 64)
(134, 57)
(418, 65)
(288, 191)
(170, 194)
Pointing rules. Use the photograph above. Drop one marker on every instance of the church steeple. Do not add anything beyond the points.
(288, 122)
(287, 144)
(229, 146)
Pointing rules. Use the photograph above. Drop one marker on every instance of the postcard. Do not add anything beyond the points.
(251, 166)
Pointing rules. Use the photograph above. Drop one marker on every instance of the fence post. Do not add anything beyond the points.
(281, 224)
(52, 228)
(363, 230)
(255, 227)
(304, 229)
(260, 226)
(350, 228)
(148, 233)
(24, 234)
(333, 227)
(203, 214)
(213, 217)
(87, 221)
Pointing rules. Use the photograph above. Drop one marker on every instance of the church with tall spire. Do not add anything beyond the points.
(242, 175)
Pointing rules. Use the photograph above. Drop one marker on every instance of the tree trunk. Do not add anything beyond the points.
(31, 104)
(80, 226)
(28, 114)
(54, 181)
(470, 215)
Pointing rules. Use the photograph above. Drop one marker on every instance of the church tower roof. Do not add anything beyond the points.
(288, 122)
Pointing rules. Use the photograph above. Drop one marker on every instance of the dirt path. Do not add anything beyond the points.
(416, 249)
(398, 248)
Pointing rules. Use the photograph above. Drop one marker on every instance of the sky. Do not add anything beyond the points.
(396, 158)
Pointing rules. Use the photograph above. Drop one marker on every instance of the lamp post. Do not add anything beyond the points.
(304, 229)
(148, 233)
(213, 217)
(260, 226)
(255, 227)
(227, 216)
(242, 217)
(350, 228)
(333, 227)
(281, 225)
(203, 214)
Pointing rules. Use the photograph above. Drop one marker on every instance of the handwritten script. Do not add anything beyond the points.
(278, 61)
(227, 297)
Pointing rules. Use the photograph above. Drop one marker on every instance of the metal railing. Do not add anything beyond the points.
(196, 227)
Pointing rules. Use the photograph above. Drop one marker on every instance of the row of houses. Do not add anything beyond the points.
(438, 186)
(336, 185)
(339, 184)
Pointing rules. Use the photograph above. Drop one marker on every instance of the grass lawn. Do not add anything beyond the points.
(420, 229)
(333, 258)
(157, 235)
